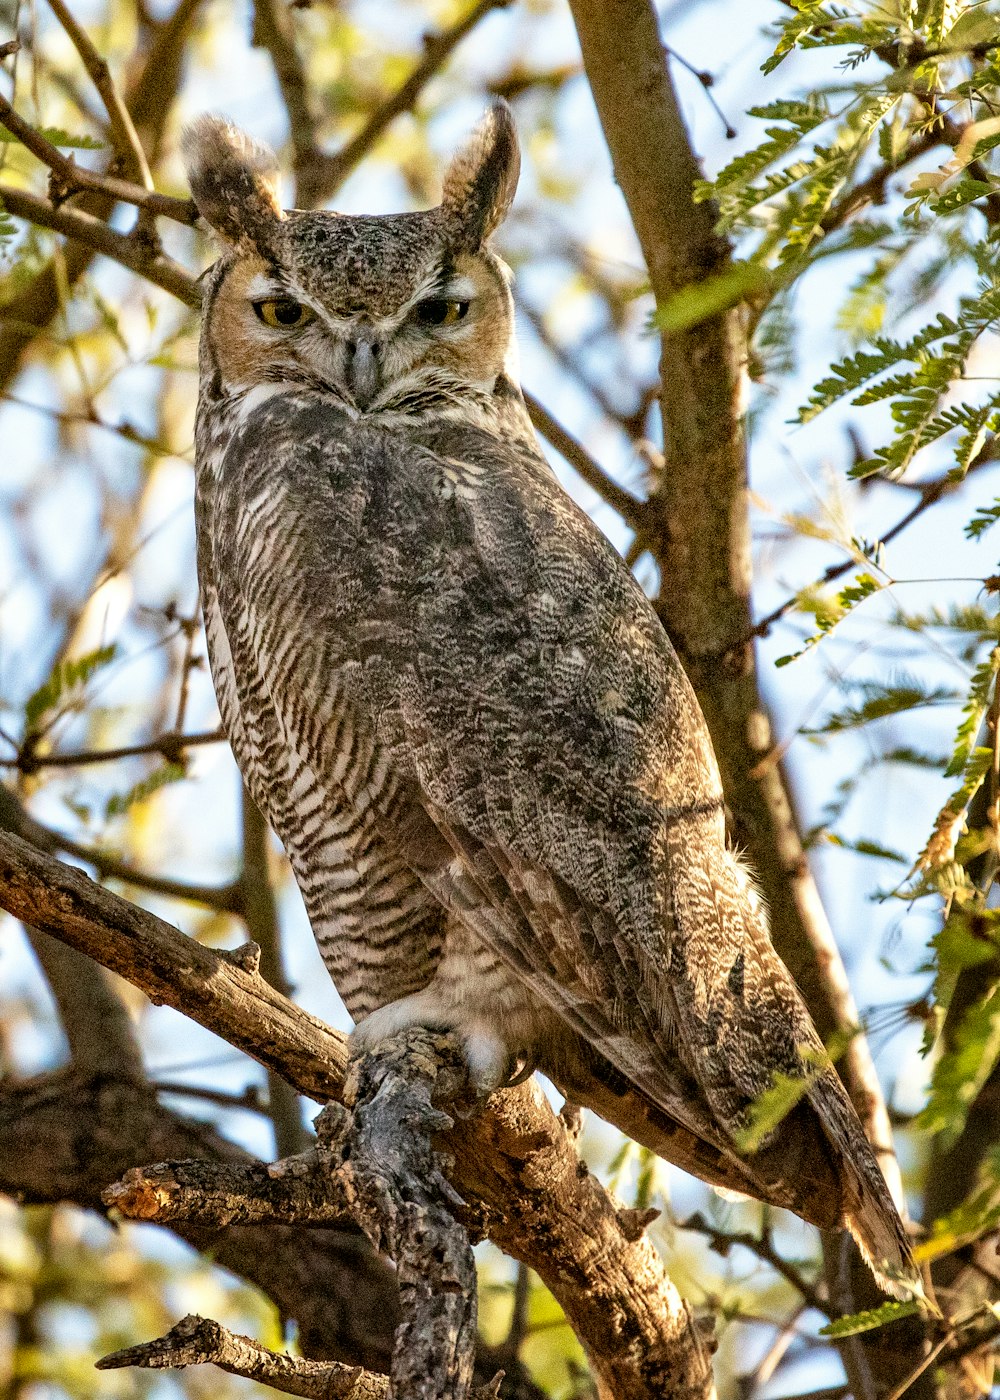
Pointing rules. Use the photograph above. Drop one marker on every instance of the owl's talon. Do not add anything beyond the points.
(524, 1069)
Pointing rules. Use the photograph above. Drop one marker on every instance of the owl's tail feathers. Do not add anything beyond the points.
(868, 1210)
(821, 1167)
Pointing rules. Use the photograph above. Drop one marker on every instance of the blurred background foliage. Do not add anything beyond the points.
(857, 175)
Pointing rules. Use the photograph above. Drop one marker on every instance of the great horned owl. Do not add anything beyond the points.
(458, 709)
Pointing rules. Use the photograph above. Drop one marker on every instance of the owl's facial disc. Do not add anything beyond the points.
(391, 311)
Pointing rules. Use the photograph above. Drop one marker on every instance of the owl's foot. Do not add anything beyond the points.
(492, 1064)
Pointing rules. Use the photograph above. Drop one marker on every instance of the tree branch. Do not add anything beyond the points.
(126, 139)
(68, 177)
(14, 817)
(375, 1164)
(67, 1136)
(515, 1164)
(698, 522)
(136, 253)
(196, 1341)
(437, 50)
(629, 507)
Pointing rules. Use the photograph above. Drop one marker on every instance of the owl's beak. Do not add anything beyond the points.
(362, 368)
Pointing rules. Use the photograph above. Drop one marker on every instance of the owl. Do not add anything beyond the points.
(459, 711)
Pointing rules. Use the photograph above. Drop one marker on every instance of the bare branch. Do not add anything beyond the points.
(437, 50)
(132, 251)
(377, 1165)
(170, 745)
(126, 138)
(197, 1341)
(273, 30)
(629, 507)
(14, 817)
(66, 1136)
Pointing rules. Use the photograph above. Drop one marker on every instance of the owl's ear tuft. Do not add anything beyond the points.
(479, 183)
(234, 181)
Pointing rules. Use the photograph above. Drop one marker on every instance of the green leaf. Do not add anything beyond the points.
(984, 517)
(65, 681)
(870, 1319)
(834, 612)
(700, 300)
(883, 700)
(973, 710)
(965, 191)
(120, 803)
(56, 137)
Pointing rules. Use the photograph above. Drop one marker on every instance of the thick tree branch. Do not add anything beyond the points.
(377, 1165)
(67, 1136)
(699, 533)
(514, 1165)
(698, 521)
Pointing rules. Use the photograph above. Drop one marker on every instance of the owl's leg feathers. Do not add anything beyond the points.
(492, 1063)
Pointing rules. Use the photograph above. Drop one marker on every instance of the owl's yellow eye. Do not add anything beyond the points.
(435, 311)
(282, 313)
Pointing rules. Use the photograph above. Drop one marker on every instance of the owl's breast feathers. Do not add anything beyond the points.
(545, 761)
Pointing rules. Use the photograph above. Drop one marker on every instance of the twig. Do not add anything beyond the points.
(250, 1100)
(170, 745)
(930, 492)
(15, 818)
(629, 507)
(273, 30)
(437, 49)
(723, 1241)
(197, 1341)
(69, 177)
(131, 251)
(125, 137)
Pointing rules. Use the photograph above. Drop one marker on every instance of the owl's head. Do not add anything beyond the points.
(390, 312)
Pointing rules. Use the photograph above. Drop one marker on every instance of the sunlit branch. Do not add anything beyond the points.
(629, 507)
(197, 1341)
(514, 1163)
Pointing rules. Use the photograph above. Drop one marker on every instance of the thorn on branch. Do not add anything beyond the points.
(635, 1222)
(246, 956)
